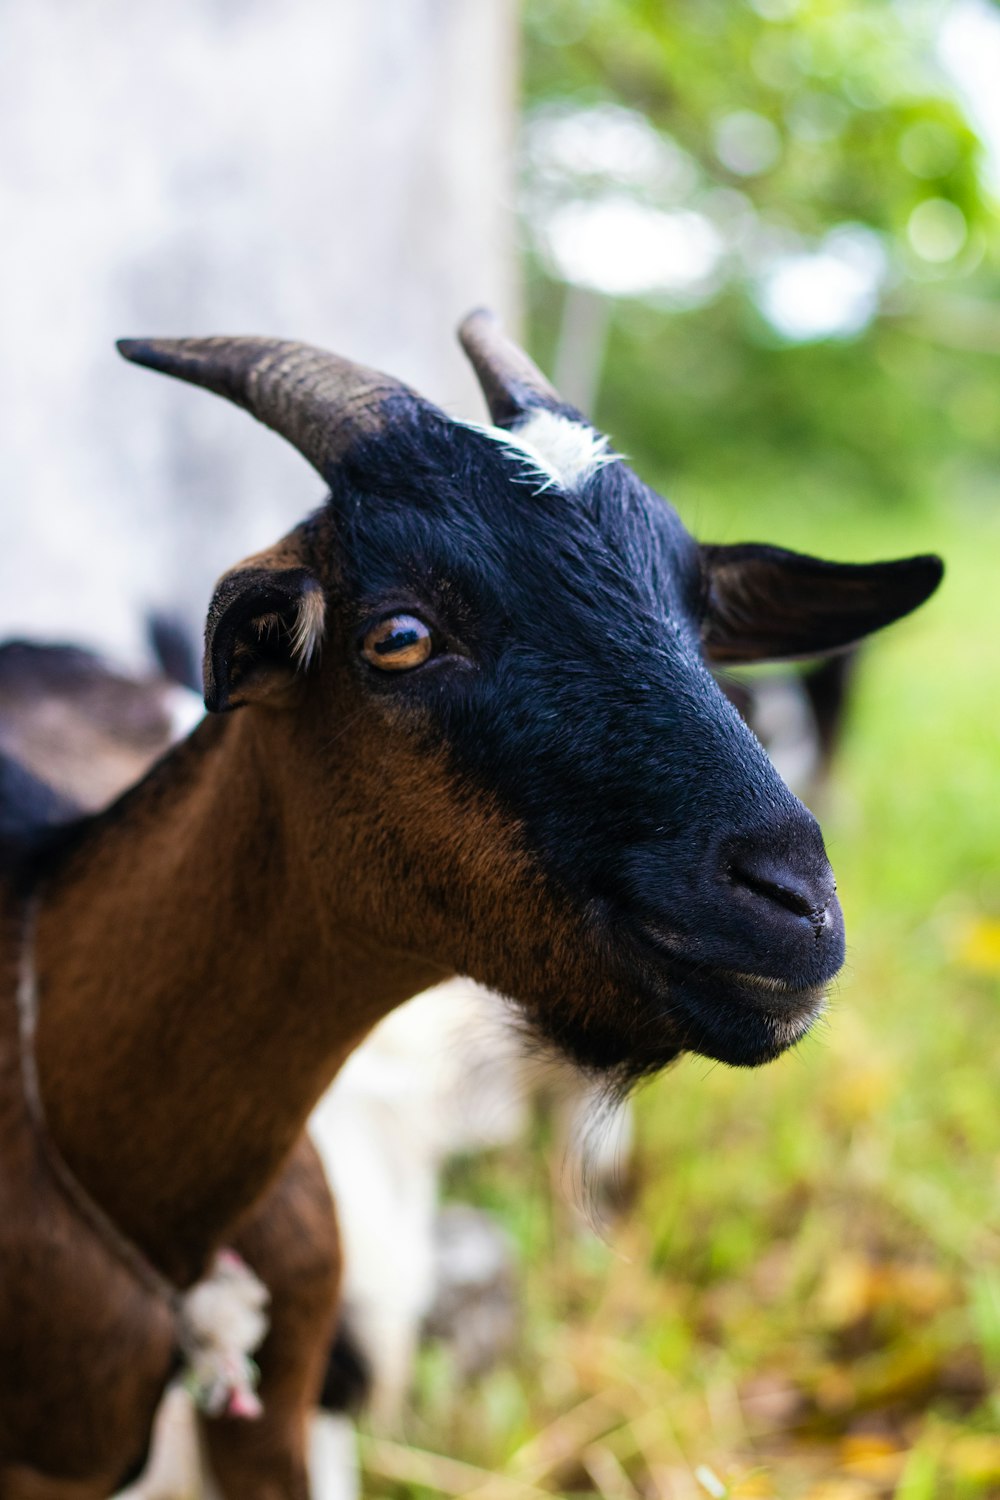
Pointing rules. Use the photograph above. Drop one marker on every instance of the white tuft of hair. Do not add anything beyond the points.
(307, 632)
(554, 449)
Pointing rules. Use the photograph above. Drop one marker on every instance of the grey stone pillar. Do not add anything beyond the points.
(332, 170)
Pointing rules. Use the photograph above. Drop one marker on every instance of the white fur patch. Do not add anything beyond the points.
(554, 449)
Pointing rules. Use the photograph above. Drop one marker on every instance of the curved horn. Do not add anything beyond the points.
(316, 400)
(512, 383)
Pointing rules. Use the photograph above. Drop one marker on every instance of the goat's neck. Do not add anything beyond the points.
(197, 994)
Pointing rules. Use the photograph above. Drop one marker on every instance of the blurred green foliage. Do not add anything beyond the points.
(865, 131)
(865, 127)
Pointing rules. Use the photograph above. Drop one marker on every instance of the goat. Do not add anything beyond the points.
(478, 734)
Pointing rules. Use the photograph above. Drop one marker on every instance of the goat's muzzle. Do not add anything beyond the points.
(740, 971)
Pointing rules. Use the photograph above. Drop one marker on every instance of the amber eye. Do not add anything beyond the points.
(398, 644)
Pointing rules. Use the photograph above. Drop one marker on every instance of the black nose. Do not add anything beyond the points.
(780, 902)
(759, 902)
(801, 882)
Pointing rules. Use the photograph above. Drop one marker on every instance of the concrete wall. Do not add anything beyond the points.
(333, 170)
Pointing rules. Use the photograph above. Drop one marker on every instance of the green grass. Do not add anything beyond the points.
(803, 1298)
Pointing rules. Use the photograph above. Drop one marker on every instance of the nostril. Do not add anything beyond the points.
(803, 895)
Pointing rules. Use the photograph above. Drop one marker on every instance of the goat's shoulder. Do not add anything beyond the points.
(85, 1310)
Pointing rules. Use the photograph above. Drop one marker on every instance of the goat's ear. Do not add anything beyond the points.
(765, 604)
(265, 625)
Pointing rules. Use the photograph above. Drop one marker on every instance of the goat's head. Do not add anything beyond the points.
(487, 660)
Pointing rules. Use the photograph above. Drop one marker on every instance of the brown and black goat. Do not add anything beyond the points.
(476, 733)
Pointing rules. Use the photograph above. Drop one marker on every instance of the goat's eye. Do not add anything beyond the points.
(398, 644)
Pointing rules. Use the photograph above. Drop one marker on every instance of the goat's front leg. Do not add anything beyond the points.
(290, 1240)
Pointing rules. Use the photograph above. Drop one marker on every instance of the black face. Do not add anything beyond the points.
(550, 639)
(546, 789)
